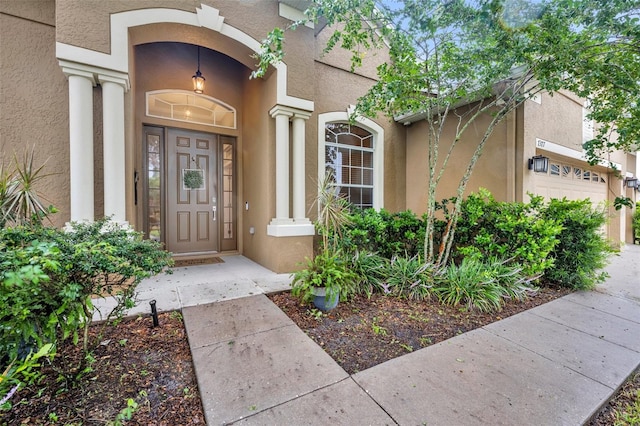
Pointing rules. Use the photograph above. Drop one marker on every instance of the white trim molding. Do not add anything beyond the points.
(293, 14)
(204, 16)
(572, 153)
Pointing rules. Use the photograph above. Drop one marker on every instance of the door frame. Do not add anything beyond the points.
(142, 190)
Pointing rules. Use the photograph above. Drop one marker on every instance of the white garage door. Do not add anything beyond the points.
(573, 181)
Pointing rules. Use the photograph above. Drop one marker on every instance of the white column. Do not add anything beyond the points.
(282, 165)
(114, 148)
(298, 167)
(283, 225)
(81, 146)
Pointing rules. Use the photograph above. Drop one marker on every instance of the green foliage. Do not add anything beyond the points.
(620, 202)
(385, 233)
(333, 213)
(498, 53)
(329, 270)
(481, 285)
(125, 414)
(629, 414)
(514, 231)
(370, 270)
(193, 179)
(582, 251)
(409, 277)
(23, 370)
(20, 202)
(48, 277)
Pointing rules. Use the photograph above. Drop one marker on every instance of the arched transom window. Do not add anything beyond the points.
(183, 105)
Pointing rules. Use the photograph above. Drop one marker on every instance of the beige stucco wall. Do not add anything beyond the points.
(493, 171)
(336, 90)
(34, 97)
(40, 112)
(87, 24)
(258, 166)
(341, 58)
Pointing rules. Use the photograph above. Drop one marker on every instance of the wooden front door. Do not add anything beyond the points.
(192, 219)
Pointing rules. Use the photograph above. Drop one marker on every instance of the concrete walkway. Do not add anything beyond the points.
(552, 365)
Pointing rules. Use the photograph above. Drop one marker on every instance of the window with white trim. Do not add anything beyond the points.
(354, 152)
(349, 157)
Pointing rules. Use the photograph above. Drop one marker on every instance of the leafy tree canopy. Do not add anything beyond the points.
(446, 52)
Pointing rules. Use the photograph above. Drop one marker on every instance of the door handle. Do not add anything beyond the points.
(213, 209)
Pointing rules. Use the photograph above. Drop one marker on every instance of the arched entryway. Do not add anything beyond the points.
(269, 139)
(187, 154)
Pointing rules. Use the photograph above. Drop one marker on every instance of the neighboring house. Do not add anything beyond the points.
(103, 90)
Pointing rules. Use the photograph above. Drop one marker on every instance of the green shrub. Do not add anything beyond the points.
(516, 231)
(388, 234)
(481, 285)
(582, 251)
(636, 223)
(48, 276)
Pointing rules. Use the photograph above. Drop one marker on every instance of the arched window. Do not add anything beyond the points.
(183, 105)
(353, 154)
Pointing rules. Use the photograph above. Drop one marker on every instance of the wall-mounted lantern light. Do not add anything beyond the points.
(631, 182)
(539, 164)
(198, 79)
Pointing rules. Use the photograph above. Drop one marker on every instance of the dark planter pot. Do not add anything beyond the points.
(322, 301)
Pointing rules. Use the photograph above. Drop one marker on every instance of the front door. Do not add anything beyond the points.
(192, 192)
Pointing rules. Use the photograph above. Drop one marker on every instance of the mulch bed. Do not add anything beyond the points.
(133, 360)
(153, 366)
(364, 332)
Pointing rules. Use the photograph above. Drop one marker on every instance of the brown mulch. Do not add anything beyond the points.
(364, 332)
(153, 366)
(133, 360)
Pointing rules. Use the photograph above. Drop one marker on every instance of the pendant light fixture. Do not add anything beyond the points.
(198, 79)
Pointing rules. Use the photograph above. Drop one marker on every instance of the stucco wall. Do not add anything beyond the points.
(336, 90)
(34, 97)
(87, 24)
(492, 170)
(340, 58)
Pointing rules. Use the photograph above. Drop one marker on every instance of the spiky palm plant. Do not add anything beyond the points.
(20, 201)
(333, 212)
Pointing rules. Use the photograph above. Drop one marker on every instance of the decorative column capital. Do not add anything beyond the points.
(115, 79)
(289, 112)
(95, 74)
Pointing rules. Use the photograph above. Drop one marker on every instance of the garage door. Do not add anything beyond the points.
(572, 180)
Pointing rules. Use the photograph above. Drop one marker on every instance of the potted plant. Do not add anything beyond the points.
(323, 281)
(327, 278)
